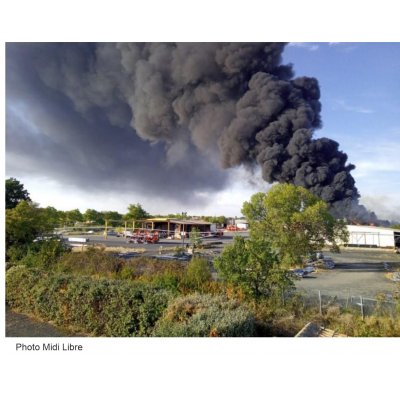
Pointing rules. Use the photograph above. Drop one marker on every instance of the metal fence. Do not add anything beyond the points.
(366, 306)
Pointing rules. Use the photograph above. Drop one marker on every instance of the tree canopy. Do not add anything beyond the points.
(254, 267)
(15, 193)
(136, 212)
(294, 221)
(25, 222)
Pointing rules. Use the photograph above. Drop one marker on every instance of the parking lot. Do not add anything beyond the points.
(357, 272)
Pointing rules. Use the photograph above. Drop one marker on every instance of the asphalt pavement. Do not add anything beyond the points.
(357, 272)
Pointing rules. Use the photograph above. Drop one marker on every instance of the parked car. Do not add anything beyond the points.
(110, 233)
(298, 273)
(309, 269)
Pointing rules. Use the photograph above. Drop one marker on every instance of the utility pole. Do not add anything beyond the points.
(105, 232)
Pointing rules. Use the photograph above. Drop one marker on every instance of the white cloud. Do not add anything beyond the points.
(342, 104)
(376, 155)
(228, 201)
(305, 45)
(343, 47)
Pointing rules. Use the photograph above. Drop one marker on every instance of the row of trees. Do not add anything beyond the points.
(26, 221)
(15, 193)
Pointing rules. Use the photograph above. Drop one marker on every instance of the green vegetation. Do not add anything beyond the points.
(136, 212)
(197, 276)
(25, 223)
(205, 315)
(100, 307)
(254, 267)
(99, 294)
(195, 237)
(15, 193)
(294, 222)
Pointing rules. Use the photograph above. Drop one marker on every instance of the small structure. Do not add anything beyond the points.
(241, 224)
(313, 329)
(174, 227)
(373, 236)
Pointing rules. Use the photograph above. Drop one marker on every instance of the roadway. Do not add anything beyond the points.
(114, 241)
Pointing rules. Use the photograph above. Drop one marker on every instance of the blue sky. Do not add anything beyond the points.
(360, 89)
(360, 96)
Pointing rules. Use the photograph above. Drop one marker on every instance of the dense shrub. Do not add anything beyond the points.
(44, 254)
(151, 266)
(20, 281)
(351, 324)
(100, 307)
(15, 253)
(162, 273)
(96, 262)
(93, 261)
(197, 275)
(205, 315)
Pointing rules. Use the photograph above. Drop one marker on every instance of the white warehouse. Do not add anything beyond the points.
(373, 236)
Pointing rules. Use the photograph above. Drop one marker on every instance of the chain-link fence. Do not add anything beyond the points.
(366, 306)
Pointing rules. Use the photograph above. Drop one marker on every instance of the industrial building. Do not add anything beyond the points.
(241, 223)
(373, 236)
(174, 227)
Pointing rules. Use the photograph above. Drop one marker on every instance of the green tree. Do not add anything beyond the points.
(254, 267)
(91, 216)
(113, 217)
(74, 216)
(136, 212)
(15, 193)
(254, 210)
(53, 216)
(294, 221)
(195, 237)
(24, 223)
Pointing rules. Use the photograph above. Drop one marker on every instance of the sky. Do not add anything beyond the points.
(72, 141)
(359, 99)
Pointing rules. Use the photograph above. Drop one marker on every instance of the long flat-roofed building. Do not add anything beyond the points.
(174, 227)
(373, 236)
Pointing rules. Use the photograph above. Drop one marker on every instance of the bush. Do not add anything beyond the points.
(44, 254)
(15, 253)
(205, 315)
(197, 275)
(100, 307)
(351, 324)
(162, 273)
(94, 261)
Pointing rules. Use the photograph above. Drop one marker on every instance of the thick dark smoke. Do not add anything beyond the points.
(234, 103)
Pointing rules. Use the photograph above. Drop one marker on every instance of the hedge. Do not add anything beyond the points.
(100, 307)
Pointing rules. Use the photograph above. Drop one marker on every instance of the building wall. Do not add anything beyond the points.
(370, 236)
(242, 225)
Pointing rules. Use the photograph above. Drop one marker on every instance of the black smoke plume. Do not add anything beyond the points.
(231, 102)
